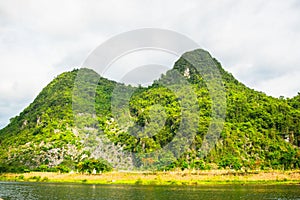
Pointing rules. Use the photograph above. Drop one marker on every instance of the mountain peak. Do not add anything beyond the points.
(260, 132)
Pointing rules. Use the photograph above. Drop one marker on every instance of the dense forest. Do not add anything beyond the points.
(259, 132)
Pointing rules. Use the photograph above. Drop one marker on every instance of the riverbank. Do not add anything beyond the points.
(162, 178)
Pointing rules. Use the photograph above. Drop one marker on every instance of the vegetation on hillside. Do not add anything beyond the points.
(260, 132)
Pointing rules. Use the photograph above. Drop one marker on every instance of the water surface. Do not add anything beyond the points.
(43, 191)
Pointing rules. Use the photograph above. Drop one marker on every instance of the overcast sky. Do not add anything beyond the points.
(258, 41)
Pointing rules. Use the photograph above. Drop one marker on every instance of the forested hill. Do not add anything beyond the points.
(260, 132)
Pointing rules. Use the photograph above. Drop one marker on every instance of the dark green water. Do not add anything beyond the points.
(19, 191)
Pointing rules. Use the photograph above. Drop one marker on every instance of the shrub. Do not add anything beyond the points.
(89, 165)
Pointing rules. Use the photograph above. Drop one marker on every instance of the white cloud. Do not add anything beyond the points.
(258, 41)
(138, 65)
(281, 84)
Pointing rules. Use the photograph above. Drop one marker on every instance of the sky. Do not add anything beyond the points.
(257, 41)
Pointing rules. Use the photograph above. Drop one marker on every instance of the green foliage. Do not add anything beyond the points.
(45, 125)
(62, 168)
(260, 132)
(89, 165)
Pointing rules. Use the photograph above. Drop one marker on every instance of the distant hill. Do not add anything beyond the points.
(260, 132)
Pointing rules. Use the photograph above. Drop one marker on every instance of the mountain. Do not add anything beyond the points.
(196, 118)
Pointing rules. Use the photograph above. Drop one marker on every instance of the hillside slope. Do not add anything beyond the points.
(260, 132)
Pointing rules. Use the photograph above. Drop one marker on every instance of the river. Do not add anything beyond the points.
(60, 191)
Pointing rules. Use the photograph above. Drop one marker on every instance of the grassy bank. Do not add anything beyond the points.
(162, 178)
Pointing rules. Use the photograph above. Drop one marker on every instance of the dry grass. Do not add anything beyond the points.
(164, 178)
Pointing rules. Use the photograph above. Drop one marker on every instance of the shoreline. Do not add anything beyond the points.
(212, 177)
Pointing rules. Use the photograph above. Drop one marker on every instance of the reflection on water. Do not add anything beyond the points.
(20, 191)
